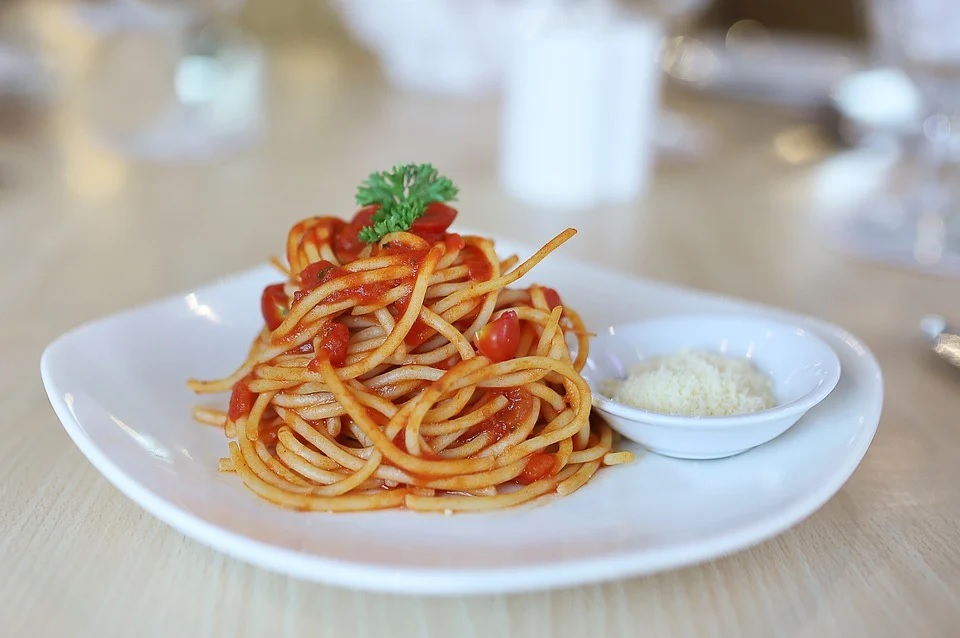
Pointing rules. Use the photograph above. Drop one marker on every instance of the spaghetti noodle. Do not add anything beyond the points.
(405, 373)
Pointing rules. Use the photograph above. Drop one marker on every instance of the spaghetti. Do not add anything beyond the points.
(405, 373)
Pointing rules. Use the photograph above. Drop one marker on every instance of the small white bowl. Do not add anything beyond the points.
(802, 368)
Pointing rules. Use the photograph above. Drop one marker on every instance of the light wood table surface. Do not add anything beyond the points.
(85, 232)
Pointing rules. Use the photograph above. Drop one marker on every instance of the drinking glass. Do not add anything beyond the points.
(915, 222)
(174, 80)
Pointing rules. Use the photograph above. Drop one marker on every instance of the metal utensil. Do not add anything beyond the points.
(944, 339)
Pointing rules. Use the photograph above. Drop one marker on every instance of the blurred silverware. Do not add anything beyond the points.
(944, 339)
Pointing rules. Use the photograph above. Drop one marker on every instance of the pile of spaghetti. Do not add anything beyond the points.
(396, 369)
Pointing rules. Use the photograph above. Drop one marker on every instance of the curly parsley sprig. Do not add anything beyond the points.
(403, 193)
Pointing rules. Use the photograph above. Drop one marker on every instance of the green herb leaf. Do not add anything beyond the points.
(400, 217)
(403, 193)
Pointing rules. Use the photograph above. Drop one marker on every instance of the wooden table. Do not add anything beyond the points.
(85, 232)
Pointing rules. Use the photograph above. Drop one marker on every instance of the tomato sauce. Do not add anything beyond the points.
(291, 337)
(502, 423)
(344, 240)
(241, 399)
(322, 272)
(431, 226)
(453, 242)
(447, 363)
(400, 441)
(409, 256)
(334, 339)
(464, 322)
(305, 348)
(478, 266)
(539, 465)
(319, 273)
(346, 243)
(267, 432)
(419, 331)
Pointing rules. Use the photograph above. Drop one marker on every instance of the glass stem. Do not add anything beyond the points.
(934, 159)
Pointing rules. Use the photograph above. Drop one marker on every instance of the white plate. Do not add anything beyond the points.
(118, 387)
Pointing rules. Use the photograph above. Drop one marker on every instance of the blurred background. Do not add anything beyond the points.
(121, 119)
(796, 153)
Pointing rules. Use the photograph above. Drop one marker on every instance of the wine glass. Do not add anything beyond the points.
(191, 80)
(916, 222)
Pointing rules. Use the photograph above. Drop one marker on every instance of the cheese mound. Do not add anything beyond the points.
(693, 383)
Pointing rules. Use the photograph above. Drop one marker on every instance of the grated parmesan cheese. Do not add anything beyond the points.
(693, 383)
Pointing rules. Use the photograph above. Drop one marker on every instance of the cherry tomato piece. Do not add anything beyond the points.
(498, 340)
(453, 242)
(241, 399)
(315, 274)
(274, 305)
(552, 297)
(334, 339)
(347, 244)
(434, 222)
(478, 266)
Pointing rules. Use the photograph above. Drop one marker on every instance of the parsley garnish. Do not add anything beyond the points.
(403, 194)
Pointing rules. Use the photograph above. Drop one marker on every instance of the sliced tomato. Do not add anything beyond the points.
(335, 343)
(334, 339)
(314, 275)
(540, 465)
(274, 305)
(432, 226)
(498, 340)
(434, 222)
(347, 244)
(552, 297)
(453, 242)
(241, 399)
(419, 331)
(478, 266)
(317, 273)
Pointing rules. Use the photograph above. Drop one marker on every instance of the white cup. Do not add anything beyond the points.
(580, 103)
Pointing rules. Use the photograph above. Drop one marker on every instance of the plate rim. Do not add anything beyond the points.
(473, 581)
